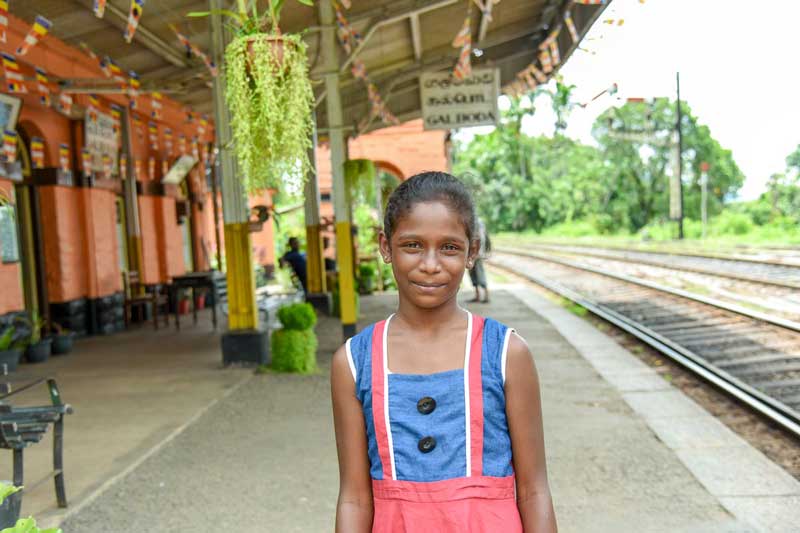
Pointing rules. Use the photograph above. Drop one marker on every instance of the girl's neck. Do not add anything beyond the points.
(429, 320)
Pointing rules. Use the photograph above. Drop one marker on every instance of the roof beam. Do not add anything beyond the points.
(486, 18)
(143, 36)
(416, 36)
(390, 17)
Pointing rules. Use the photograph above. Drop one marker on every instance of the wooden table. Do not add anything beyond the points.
(212, 280)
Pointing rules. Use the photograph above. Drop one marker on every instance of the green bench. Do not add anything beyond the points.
(23, 426)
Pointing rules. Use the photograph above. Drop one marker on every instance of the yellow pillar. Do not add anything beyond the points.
(242, 313)
(314, 259)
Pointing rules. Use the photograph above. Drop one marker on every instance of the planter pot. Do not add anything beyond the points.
(9, 510)
(39, 352)
(366, 285)
(275, 42)
(9, 359)
(183, 307)
(62, 343)
(200, 302)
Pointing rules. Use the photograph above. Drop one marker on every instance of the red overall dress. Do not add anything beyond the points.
(439, 462)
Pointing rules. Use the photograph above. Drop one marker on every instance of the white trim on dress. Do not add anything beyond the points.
(468, 446)
(386, 394)
(350, 362)
(504, 353)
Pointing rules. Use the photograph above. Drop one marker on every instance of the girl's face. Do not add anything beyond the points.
(429, 251)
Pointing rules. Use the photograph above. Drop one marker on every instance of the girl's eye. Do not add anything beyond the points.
(450, 248)
(411, 245)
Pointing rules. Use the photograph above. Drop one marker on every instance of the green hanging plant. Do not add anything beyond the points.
(270, 99)
(359, 179)
(269, 95)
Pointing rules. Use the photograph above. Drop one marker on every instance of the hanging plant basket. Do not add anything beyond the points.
(270, 98)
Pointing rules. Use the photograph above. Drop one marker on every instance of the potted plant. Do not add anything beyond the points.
(269, 95)
(39, 348)
(62, 339)
(10, 522)
(366, 278)
(9, 353)
(294, 348)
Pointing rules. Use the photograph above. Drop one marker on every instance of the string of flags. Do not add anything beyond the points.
(155, 105)
(350, 39)
(192, 49)
(63, 157)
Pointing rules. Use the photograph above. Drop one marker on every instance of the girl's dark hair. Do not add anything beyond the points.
(430, 187)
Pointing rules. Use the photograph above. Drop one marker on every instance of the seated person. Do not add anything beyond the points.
(296, 260)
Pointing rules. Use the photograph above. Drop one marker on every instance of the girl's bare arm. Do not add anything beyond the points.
(354, 507)
(524, 413)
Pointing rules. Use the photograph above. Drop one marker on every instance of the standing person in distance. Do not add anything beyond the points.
(477, 273)
(437, 411)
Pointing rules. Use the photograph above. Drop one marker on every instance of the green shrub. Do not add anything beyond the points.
(728, 223)
(294, 350)
(297, 316)
(6, 339)
(367, 270)
(23, 525)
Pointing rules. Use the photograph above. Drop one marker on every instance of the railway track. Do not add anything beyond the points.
(751, 355)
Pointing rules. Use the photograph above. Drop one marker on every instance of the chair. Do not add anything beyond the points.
(139, 295)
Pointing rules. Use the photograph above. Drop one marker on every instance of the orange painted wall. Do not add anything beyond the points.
(12, 298)
(64, 243)
(171, 245)
(107, 275)
(151, 271)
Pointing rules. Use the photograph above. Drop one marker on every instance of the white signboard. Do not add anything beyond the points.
(101, 139)
(448, 103)
(179, 170)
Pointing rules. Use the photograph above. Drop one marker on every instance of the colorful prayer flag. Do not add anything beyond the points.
(39, 29)
(151, 168)
(37, 152)
(192, 49)
(168, 141)
(153, 129)
(43, 86)
(546, 61)
(65, 101)
(94, 106)
(10, 146)
(15, 82)
(105, 66)
(116, 72)
(99, 8)
(133, 19)
(133, 88)
(463, 39)
(86, 162)
(155, 104)
(123, 166)
(554, 52)
(538, 74)
(106, 166)
(3, 20)
(359, 70)
(63, 157)
(590, 2)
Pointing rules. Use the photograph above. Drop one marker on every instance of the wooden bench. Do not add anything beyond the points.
(139, 295)
(21, 427)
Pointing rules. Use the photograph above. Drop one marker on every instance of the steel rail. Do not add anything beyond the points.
(771, 408)
(738, 277)
(733, 308)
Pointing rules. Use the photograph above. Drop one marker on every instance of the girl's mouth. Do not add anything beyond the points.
(428, 287)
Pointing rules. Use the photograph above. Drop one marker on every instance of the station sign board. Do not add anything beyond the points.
(449, 103)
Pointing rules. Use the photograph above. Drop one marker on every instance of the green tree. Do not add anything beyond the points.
(793, 160)
(637, 183)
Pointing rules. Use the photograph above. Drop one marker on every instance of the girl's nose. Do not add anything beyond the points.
(430, 262)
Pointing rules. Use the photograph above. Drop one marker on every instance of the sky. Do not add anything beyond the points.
(738, 62)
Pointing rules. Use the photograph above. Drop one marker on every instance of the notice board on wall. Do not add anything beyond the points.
(102, 140)
(9, 242)
(449, 103)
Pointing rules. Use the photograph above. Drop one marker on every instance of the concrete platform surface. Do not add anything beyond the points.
(626, 452)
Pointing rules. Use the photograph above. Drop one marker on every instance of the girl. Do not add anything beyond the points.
(429, 404)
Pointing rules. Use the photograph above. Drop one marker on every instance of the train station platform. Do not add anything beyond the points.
(626, 451)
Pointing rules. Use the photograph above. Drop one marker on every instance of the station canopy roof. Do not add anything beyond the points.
(401, 39)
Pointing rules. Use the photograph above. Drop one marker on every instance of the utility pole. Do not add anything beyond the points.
(704, 186)
(679, 165)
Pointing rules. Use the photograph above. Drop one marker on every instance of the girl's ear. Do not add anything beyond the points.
(385, 247)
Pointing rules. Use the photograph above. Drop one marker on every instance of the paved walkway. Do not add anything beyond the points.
(626, 452)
